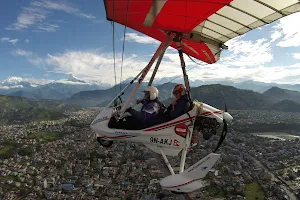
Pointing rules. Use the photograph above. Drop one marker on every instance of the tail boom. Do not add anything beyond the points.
(190, 179)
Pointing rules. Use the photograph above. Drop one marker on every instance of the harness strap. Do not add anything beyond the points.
(190, 118)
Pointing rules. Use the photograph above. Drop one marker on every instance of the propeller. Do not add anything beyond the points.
(226, 116)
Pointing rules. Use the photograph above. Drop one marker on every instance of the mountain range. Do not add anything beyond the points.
(65, 88)
(215, 95)
(243, 95)
(248, 84)
(58, 89)
(15, 109)
(103, 97)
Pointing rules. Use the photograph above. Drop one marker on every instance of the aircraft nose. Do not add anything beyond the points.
(227, 117)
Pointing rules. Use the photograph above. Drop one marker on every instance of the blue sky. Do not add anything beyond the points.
(44, 40)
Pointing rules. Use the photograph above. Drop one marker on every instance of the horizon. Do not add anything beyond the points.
(36, 44)
(72, 80)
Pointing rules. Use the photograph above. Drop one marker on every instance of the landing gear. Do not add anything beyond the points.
(177, 192)
(104, 143)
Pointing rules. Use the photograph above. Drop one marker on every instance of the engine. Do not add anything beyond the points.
(207, 126)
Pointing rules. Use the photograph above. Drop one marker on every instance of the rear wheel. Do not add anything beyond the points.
(177, 192)
(104, 143)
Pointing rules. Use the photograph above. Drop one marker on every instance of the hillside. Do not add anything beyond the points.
(211, 94)
(286, 106)
(23, 110)
(103, 97)
(216, 95)
(279, 94)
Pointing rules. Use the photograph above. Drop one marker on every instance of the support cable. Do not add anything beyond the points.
(113, 41)
(123, 47)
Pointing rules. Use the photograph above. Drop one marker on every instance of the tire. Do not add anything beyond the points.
(104, 143)
(177, 192)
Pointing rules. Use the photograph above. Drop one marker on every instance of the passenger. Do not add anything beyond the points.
(180, 104)
(151, 107)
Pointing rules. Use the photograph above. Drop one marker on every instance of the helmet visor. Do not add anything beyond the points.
(146, 95)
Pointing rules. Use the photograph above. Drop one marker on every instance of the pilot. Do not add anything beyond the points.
(150, 109)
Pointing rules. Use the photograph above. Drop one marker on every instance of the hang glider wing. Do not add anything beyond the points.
(206, 24)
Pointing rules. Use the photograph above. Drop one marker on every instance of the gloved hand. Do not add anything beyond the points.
(128, 109)
(139, 101)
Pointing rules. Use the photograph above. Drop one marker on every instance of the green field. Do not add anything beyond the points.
(46, 136)
(277, 135)
(5, 150)
(253, 192)
(6, 178)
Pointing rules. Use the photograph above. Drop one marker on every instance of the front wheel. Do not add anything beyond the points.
(104, 143)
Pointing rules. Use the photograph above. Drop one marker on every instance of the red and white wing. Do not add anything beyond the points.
(206, 24)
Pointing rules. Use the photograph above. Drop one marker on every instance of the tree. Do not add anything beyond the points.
(161, 196)
(27, 151)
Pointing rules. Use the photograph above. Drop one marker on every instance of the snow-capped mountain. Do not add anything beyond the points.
(71, 80)
(65, 88)
(12, 84)
(48, 89)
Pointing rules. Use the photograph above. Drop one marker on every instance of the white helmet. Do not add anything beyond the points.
(151, 92)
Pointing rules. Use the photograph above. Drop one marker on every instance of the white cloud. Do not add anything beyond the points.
(12, 41)
(134, 37)
(279, 74)
(276, 35)
(4, 39)
(289, 30)
(38, 11)
(36, 61)
(28, 17)
(20, 52)
(171, 50)
(95, 65)
(61, 6)
(26, 41)
(244, 60)
(31, 57)
(48, 27)
(247, 53)
(296, 56)
(87, 16)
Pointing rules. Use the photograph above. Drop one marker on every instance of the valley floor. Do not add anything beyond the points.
(61, 159)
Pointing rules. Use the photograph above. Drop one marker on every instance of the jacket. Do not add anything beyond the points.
(148, 111)
(181, 106)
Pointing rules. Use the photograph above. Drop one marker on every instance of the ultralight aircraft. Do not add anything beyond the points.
(198, 28)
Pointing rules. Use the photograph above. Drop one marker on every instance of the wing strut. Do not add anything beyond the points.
(178, 39)
(162, 47)
(166, 160)
(156, 67)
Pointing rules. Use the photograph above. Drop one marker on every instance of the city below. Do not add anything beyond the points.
(61, 159)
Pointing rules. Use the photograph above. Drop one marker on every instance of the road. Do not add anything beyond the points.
(290, 194)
